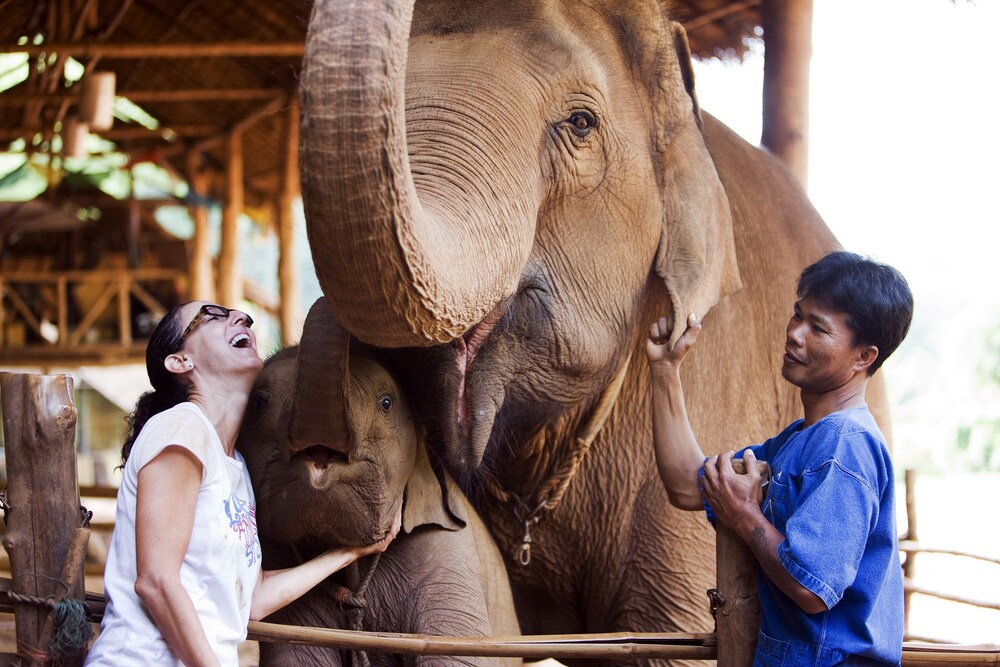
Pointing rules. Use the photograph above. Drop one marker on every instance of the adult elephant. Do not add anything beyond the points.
(509, 193)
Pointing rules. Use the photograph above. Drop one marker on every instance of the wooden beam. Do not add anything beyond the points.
(719, 13)
(788, 49)
(124, 133)
(289, 317)
(175, 50)
(156, 96)
(240, 126)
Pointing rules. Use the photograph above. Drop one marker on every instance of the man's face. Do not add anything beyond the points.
(820, 354)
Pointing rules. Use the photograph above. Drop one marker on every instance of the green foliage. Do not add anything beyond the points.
(977, 438)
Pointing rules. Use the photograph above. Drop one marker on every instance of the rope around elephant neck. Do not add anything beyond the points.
(550, 492)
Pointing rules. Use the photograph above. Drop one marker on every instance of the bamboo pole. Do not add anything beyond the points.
(39, 421)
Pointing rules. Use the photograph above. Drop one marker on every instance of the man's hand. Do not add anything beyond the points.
(657, 352)
(735, 498)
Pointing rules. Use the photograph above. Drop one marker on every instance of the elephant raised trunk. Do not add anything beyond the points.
(399, 271)
(319, 425)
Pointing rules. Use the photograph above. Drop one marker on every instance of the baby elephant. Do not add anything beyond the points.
(331, 467)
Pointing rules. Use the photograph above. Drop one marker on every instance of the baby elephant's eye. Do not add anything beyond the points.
(385, 403)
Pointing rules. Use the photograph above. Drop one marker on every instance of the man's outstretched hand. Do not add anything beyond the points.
(658, 352)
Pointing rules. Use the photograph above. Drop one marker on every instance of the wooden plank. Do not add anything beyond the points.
(39, 421)
(124, 312)
(94, 312)
(147, 299)
(22, 307)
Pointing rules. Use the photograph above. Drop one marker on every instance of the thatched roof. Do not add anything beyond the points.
(203, 67)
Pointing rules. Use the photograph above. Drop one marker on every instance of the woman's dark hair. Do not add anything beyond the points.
(168, 389)
(875, 298)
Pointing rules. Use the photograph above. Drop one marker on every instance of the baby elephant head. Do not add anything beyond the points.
(332, 447)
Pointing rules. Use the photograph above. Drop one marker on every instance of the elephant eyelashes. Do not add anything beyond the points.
(385, 403)
(582, 122)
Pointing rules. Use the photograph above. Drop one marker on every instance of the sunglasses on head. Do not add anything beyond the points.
(214, 311)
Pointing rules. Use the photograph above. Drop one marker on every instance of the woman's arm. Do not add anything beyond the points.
(277, 588)
(165, 505)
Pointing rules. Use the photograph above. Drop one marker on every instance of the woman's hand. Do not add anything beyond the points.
(657, 351)
(383, 544)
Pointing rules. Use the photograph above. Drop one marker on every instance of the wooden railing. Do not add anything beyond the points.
(45, 305)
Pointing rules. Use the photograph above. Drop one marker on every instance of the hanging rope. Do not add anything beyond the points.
(355, 604)
(547, 495)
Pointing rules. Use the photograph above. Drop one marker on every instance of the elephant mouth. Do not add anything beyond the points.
(320, 461)
(466, 348)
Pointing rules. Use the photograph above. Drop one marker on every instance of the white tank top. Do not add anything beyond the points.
(222, 562)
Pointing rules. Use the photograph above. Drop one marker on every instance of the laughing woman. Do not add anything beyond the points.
(183, 574)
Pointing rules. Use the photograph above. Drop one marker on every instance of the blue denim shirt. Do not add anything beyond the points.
(832, 496)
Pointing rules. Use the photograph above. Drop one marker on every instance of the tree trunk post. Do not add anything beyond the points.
(43, 501)
(737, 607)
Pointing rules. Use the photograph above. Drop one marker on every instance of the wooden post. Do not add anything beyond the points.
(200, 262)
(288, 305)
(230, 274)
(910, 477)
(787, 50)
(39, 421)
(738, 608)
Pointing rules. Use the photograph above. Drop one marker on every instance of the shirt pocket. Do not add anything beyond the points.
(778, 501)
(770, 652)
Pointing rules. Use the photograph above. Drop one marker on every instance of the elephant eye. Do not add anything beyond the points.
(385, 403)
(582, 122)
(258, 404)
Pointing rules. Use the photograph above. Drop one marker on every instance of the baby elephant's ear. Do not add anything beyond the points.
(432, 499)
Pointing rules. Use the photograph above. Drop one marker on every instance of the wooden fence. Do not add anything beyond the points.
(46, 565)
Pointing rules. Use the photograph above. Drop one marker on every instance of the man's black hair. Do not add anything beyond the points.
(875, 298)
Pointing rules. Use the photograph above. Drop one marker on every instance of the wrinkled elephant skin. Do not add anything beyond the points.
(441, 575)
(506, 195)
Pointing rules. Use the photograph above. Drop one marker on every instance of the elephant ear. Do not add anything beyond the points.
(322, 385)
(432, 498)
(696, 257)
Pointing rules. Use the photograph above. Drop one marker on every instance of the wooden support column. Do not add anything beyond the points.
(200, 279)
(230, 273)
(39, 422)
(787, 51)
(737, 615)
(910, 477)
(288, 302)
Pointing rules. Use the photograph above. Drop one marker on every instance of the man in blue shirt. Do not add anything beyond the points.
(824, 534)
